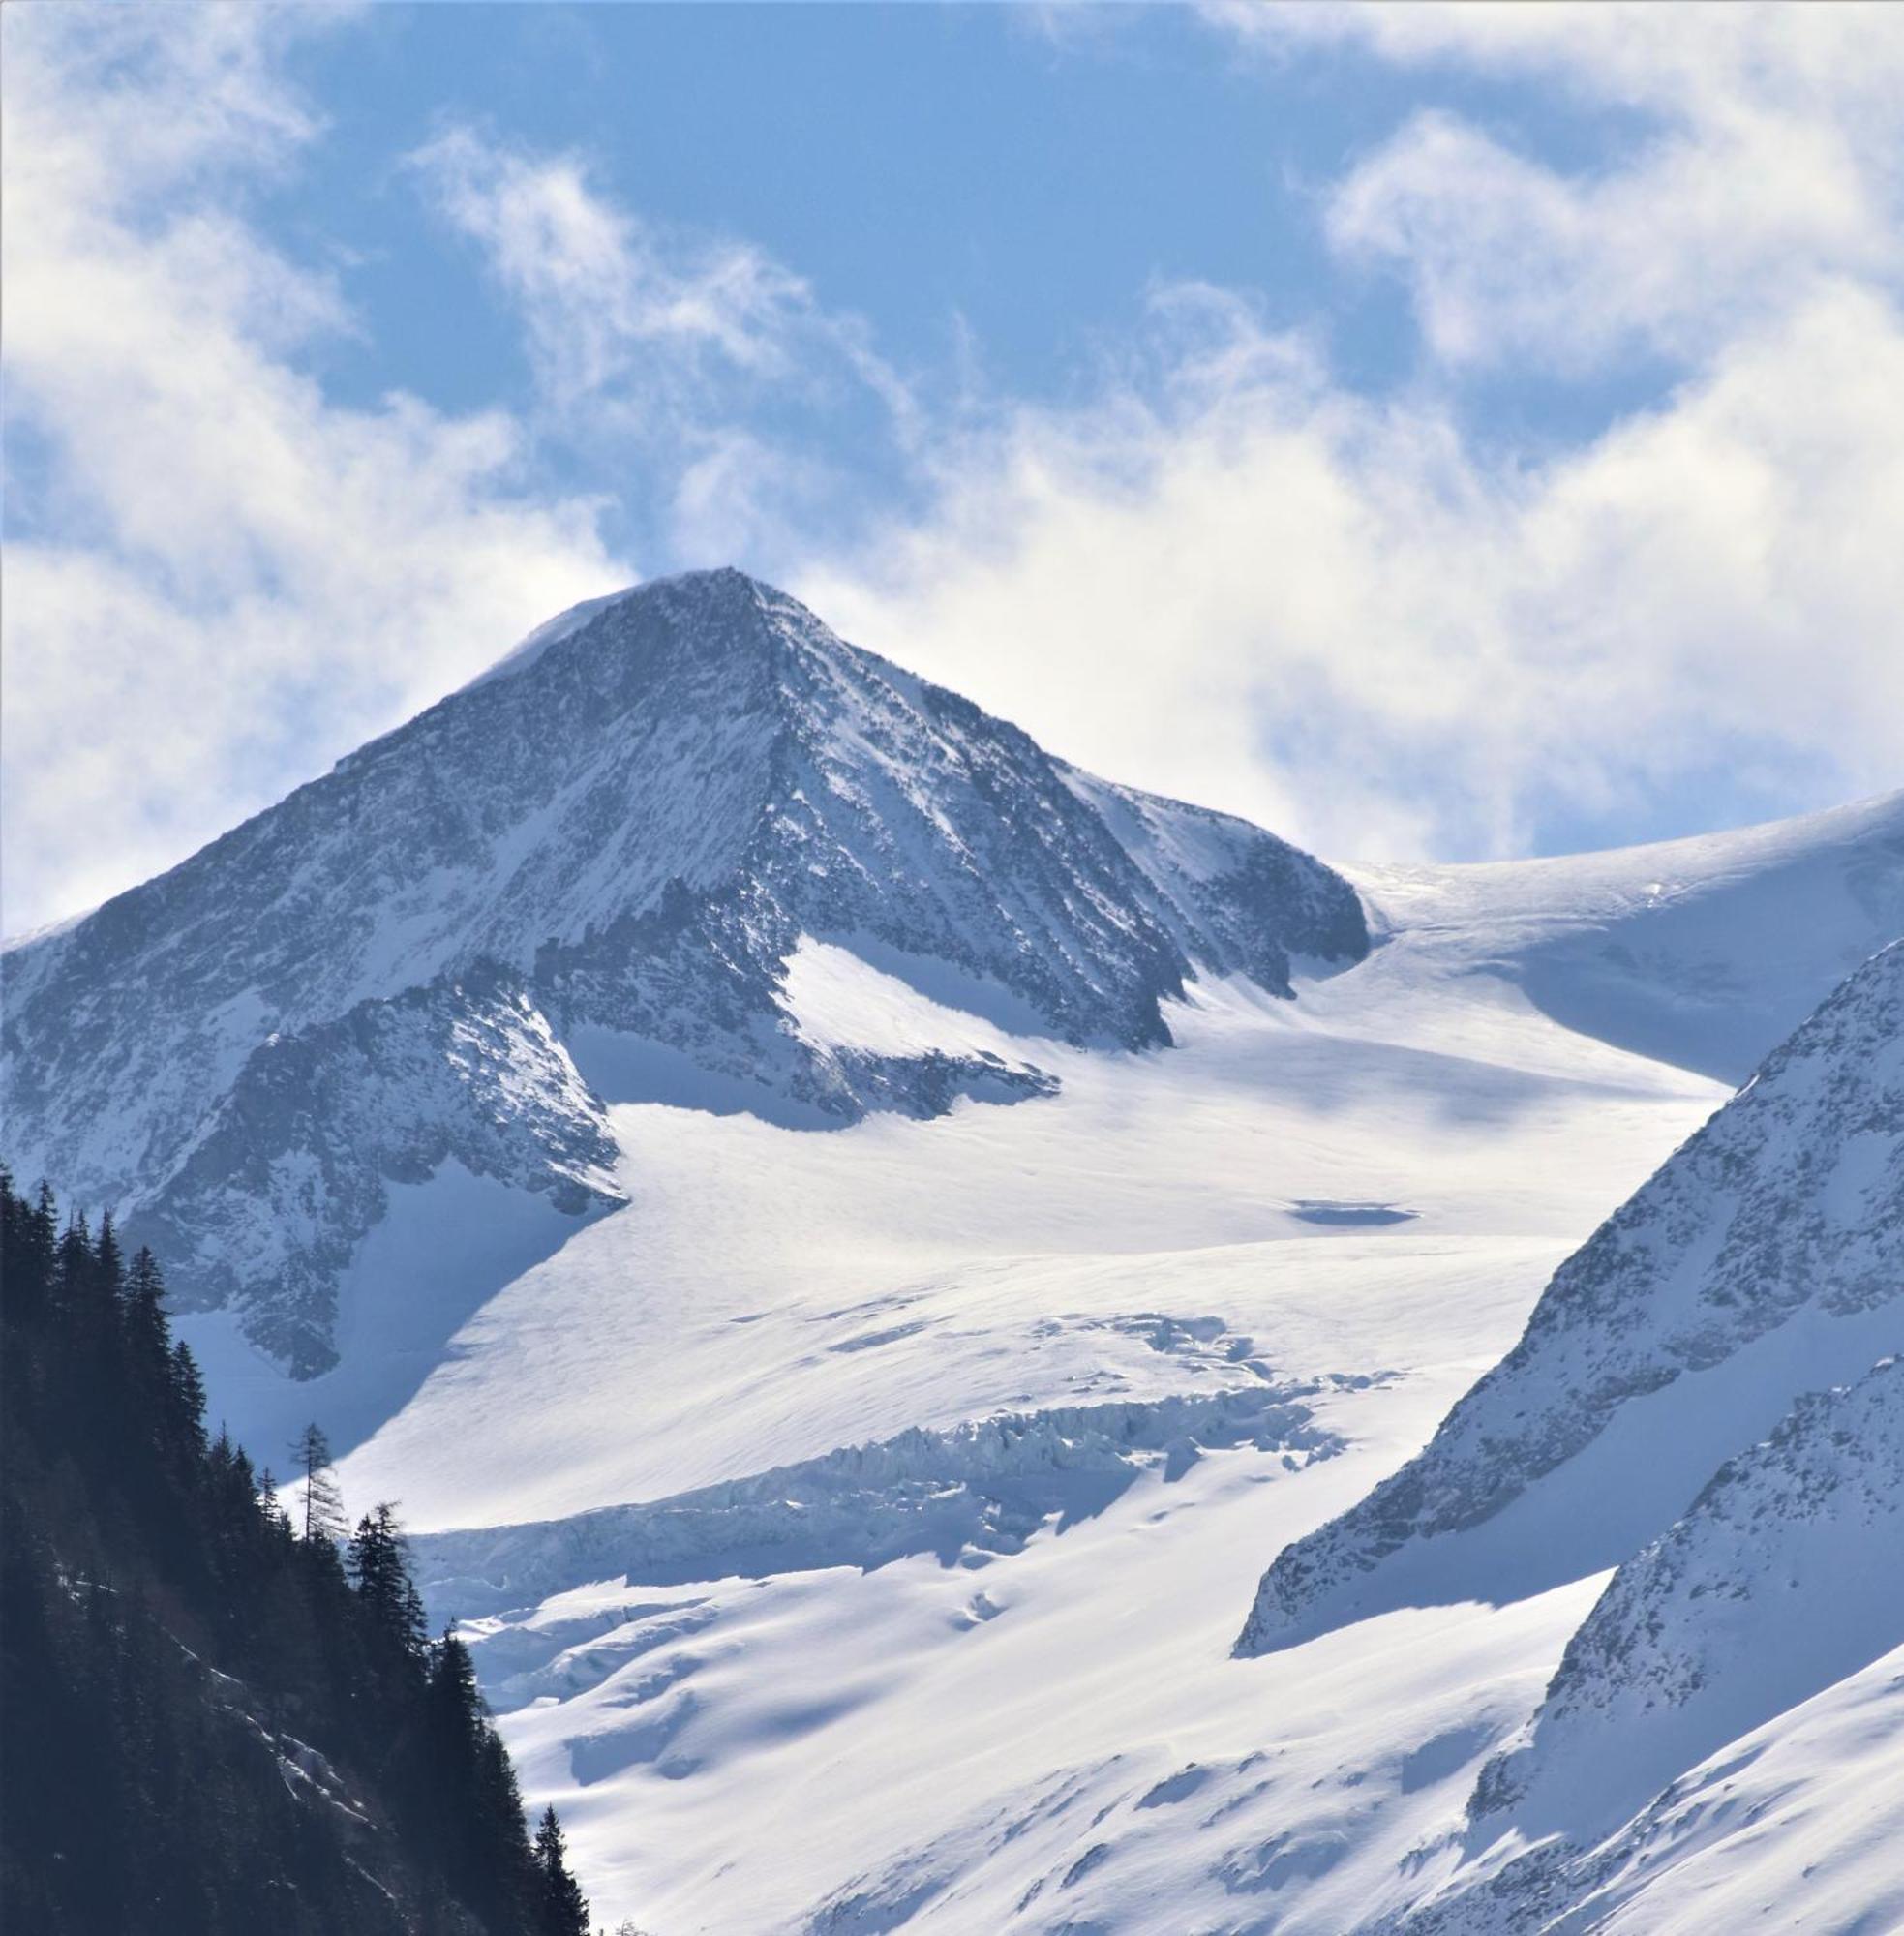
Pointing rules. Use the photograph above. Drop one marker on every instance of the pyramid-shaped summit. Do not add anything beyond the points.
(623, 831)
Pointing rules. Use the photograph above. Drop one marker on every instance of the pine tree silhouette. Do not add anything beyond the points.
(387, 1600)
(565, 1908)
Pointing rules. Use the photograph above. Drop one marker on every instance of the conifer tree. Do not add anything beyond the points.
(47, 1211)
(565, 1908)
(268, 1503)
(108, 1263)
(456, 1702)
(168, 1648)
(143, 1335)
(388, 1598)
(324, 1501)
(73, 1269)
(88, 1309)
(30, 1247)
(187, 1391)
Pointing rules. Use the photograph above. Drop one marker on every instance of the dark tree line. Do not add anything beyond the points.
(213, 1721)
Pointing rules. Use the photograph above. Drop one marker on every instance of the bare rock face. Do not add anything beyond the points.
(621, 835)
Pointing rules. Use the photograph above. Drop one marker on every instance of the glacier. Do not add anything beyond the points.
(854, 1243)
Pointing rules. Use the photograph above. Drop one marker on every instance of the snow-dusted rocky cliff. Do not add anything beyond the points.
(1722, 1732)
(580, 880)
(1784, 1576)
(1764, 1259)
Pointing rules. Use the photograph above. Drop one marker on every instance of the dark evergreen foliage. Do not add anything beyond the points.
(566, 1911)
(210, 1726)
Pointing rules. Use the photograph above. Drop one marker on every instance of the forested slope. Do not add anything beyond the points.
(215, 1722)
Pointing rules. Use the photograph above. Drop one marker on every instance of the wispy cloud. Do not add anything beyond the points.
(605, 300)
(225, 580)
(1248, 587)
(670, 341)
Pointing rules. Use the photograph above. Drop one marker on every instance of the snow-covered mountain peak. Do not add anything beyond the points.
(711, 613)
(581, 880)
(651, 647)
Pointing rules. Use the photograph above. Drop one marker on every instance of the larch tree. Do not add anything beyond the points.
(323, 1500)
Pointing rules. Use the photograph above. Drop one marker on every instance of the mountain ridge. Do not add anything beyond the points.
(625, 830)
(1781, 1216)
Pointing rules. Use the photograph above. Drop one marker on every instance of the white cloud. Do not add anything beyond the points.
(1769, 164)
(669, 341)
(1364, 626)
(1342, 619)
(1510, 259)
(227, 580)
(603, 298)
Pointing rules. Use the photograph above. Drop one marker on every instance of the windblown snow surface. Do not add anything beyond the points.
(878, 1509)
(854, 1524)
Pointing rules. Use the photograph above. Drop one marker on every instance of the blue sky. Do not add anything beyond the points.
(1433, 431)
(984, 186)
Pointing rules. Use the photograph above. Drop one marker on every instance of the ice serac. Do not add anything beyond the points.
(576, 882)
(987, 1485)
(1765, 1259)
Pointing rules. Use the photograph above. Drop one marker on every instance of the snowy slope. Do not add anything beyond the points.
(1795, 1826)
(1153, 1229)
(852, 1529)
(1723, 1738)
(1784, 1576)
(621, 835)
(1703, 952)
(1260, 1193)
(1359, 1194)
(1766, 1257)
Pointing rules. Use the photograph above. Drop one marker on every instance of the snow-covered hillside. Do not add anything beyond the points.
(581, 879)
(853, 1529)
(1360, 1192)
(1702, 1326)
(1765, 1259)
(1726, 1727)
(1703, 952)
(1785, 1575)
(1792, 1826)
